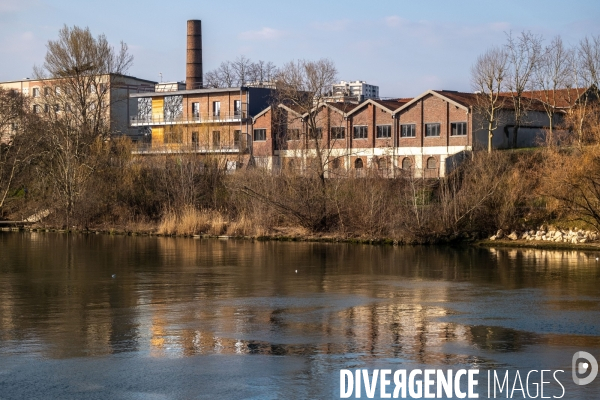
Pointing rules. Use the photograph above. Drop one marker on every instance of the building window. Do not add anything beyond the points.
(216, 108)
(432, 130)
(37, 109)
(173, 136)
(216, 136)
(458, 129)
(358, 164)
(338, 132)
(92, 88)
(260, 135)
(431, 163)
(293, 134)
(408, 130)
(382, 163)
(237, 108)
(56, 108)
(317, 133)
(196, 110)
(57, 90)
(384, 131)
(335, 163)
(195, 139)
(46, 91)
(173, 108)
(360, 132)
(237, 137)
(46, 108)
(36, 92)
(406, 163)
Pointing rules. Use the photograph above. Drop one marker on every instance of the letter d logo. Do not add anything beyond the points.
(580, 368)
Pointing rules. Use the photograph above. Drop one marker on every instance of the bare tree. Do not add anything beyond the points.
(242, 66)
(240, 72)
(551, 76)
(262, 72)
(19, 137)
(523, 53)
(487, 79)
(78, 72)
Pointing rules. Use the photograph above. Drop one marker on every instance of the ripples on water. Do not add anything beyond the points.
(347, 306)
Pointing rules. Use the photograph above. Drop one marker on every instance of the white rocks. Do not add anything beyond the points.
(513, 236)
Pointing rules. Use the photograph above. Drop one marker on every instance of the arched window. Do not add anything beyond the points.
(406, 163)
(335, 164)
(431, 163)
(382, 163)
(358, 164)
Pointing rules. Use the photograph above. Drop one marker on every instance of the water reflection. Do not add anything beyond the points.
(182, 297)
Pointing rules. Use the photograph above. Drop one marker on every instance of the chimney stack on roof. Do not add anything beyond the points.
(193, 69)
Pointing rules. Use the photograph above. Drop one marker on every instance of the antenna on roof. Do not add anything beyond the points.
(160, 73)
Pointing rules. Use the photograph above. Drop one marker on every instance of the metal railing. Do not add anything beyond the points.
(160, 119)
(178, 148)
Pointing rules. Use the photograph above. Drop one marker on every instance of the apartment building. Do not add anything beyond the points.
(111, 89)
(355, 90)
(208, 121)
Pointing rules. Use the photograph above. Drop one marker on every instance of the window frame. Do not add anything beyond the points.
(263, 136)
(318, 135)
(338, 132)
(433, 124)
(295, 136)
(454, 125)
(379, 132)
(413, 131)
(404, 161)
(364, 128)
(434, 160)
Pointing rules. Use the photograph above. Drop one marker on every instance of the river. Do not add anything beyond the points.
(114, 317)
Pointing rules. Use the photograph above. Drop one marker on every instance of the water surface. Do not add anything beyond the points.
(93, 316)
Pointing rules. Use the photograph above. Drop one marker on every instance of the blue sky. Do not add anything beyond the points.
(405, 47)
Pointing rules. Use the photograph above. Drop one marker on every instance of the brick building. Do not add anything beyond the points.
(428, 135)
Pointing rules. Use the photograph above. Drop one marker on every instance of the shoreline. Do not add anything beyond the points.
(487, 243)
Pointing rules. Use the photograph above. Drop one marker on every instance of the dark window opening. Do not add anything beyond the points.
(458, 129)
(408, 130)
(432, 130)
(260, 135)
(384, 131)
(338, 133)
(360, 132)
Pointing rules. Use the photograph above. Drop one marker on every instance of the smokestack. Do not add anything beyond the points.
(193, 68)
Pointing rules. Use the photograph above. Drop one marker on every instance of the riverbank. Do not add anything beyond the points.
(463, 240)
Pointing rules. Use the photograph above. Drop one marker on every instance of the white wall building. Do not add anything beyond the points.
(359, 89)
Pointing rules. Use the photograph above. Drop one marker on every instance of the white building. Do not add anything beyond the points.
(360, 90)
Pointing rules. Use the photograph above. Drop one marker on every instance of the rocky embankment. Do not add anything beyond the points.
(571, 236)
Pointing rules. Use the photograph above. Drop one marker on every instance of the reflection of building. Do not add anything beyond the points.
(112, 89)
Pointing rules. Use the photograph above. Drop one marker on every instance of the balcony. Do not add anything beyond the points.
(160, 119)
(176, 148)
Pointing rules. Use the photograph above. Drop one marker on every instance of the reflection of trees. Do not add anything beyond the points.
(184, 297)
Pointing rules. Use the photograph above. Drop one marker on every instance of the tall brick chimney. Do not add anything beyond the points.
(193, 68)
